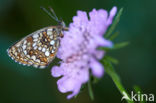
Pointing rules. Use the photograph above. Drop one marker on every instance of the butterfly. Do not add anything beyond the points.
(39, 48)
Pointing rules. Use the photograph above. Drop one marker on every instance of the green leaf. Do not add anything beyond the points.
(113, 36)
(115, 22)
(116, 46)
(111, 59)
(104, 48)
(120, 45)
(138, 89)
(115, 77)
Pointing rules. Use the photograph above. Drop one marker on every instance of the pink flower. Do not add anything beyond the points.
(78, 50)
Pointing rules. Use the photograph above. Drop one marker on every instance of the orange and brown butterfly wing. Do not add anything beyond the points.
(37, 49)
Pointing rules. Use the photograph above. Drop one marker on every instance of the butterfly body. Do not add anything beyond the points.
(37, 49)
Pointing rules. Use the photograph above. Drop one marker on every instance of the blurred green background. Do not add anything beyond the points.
(21, 84)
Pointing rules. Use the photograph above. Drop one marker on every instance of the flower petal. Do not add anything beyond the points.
(56, 71)
(99, 54)
(80, 20)
(103, 42)
(111, 15)
(97, 68)
(66, 84)
(97, 24)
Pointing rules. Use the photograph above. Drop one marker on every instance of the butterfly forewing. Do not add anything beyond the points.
(37, 49)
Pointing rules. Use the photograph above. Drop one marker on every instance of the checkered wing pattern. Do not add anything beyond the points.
(37, 49)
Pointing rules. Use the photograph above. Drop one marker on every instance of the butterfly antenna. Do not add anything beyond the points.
(54, 17)
(52, 10)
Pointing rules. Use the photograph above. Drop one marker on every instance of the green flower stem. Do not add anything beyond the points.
(111, 72)
(90, 90)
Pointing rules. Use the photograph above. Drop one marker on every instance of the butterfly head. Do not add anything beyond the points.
(62, 23)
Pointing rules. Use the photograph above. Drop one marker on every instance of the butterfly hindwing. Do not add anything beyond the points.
(37, 49)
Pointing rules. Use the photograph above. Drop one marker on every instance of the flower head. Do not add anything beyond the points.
(78, 50)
